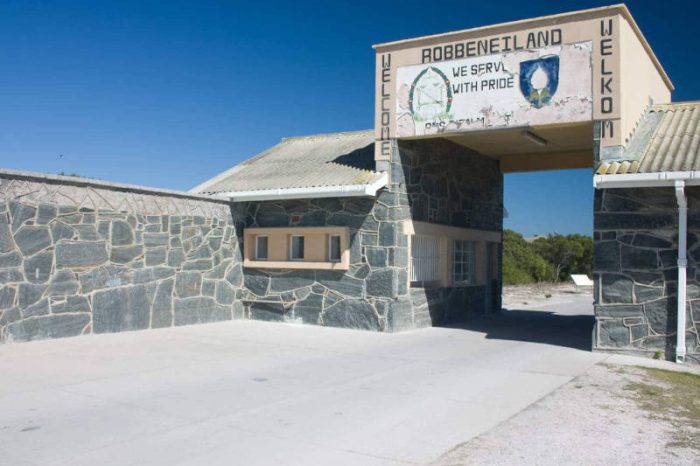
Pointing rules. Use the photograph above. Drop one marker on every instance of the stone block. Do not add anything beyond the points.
(606, 256)
(155, 239)
(351, 313)
(6, 242)
(122, 234)
(341, 283)
(613, 334)
(163, 305)
(651, 241)
(638, 332)
(176, 257)
(7, 297)
(267, 311)
(271, 215)
(28, 294)
(71, 304)
(633, 221)
(208, 287)
(197, 310)
(9, 316)
(121, 309)
(125, 254)
(86, 232)
(37, 269)
(387, 234)
(37, 309)
(632, 258)
(235, 275)
(20, 214)
(661, 315)
(188, 284)
(398, 257)
(80, 253)
(380, 283)
(309, 309)
(10, 259)
(155, 256)
(11, 275)
(218, 272)
(201, 252)
(198, 264)
(616, 288)
(400, 315)
(61, 231)
(376, 257)
(292, 280)
(45, 214)
(50, 326)
(619, 311)
(256, 282)
(32, 239)
(107, 276)
(224, 293)
(643, 293)
(152, 274)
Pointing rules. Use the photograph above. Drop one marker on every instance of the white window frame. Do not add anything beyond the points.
(330, 248)
(471, 263)
(291, 248)
(425, 268)
(257, 248)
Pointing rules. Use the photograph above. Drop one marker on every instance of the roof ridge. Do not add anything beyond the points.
(674, 105)
(321, 135)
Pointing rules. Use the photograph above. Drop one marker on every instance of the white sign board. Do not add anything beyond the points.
(551, 85)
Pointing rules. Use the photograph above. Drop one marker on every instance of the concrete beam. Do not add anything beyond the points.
(543, 161)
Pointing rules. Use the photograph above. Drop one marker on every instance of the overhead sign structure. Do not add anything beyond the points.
(549, 85)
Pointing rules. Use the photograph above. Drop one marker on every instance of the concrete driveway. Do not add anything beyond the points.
(249, 392)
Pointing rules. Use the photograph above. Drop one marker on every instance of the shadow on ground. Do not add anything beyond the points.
(536, 326)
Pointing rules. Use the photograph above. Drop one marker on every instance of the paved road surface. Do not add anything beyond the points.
(262, 393)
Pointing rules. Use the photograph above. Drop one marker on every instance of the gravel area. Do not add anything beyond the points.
(596, 419)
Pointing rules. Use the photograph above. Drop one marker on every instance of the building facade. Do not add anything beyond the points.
(400, 226)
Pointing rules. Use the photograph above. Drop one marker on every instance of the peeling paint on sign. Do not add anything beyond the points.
(551, 85)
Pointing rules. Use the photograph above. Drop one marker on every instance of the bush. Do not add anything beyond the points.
(551, 258)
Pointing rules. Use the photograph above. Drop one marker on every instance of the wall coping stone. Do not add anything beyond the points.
(84, 182)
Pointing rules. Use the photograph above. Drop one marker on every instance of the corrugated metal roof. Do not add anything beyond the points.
(667, 140)
(336, 159)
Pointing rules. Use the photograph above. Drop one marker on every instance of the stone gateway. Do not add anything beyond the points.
(400, 226)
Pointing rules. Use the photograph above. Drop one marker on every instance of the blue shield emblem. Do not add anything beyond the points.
(539, 80)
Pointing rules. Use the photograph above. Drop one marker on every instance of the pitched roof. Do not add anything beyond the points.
(323, 160)
(666, 140)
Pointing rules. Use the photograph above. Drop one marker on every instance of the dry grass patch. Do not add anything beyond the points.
(675, 398)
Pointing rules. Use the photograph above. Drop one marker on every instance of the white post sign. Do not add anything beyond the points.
(551, 85)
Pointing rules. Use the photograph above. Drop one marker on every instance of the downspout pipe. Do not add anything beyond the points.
(682, 268)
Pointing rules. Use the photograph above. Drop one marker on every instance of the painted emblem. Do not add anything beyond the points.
(539, 79)
(430, 97)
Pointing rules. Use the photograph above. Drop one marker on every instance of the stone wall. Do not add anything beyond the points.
(80, 257)
(360, 297)
(448, 184)
(635, 271)
(431, 181)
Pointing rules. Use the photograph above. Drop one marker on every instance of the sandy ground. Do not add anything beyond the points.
(595, 419)
(592, 420)
(528, 296)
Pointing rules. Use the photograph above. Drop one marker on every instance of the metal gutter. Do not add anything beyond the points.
(677, 180)
(354, 190)
(646, 180)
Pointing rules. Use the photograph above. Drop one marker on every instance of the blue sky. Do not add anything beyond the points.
(170, 93)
